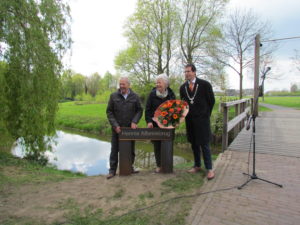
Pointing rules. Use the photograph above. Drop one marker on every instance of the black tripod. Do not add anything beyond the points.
(254, 176)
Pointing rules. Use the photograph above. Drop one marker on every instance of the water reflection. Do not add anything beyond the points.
(90, 156)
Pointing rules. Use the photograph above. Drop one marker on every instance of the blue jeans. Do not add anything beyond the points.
(206, 155)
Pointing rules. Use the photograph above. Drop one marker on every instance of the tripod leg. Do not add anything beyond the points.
(253, 177)
(244, 184)
(279, 185)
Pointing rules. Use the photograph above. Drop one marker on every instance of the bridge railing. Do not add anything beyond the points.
(242, 108)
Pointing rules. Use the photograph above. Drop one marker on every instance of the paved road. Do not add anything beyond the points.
(259, 202)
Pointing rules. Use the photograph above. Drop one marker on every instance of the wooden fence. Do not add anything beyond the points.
(242, 108)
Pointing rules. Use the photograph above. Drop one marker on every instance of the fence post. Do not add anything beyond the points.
(252, 102)
(225, 125)
(237, 112)
(243, 107)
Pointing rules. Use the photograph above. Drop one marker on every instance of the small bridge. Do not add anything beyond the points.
(277, 159)
(277, 132)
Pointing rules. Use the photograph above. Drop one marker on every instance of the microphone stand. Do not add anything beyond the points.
(253, 176)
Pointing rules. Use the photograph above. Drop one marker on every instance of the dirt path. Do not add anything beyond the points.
(51, 201)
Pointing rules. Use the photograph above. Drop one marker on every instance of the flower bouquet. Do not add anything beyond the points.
(170, 113)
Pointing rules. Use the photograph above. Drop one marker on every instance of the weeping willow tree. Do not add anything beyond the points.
(34, 35)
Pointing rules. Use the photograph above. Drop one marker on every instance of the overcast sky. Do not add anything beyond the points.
(97, 32)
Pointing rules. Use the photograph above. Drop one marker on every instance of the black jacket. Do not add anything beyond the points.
(198, 118)
(153, 102)
(122, 112)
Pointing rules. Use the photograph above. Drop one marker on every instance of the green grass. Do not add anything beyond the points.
(86, 117)
(184, 182)
(264, 109)
(292, 102)
(16, 171)
(91, 117)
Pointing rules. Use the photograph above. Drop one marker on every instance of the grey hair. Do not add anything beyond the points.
(163, 77)
(125, 78)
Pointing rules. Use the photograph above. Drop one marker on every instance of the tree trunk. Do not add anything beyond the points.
(241, 85)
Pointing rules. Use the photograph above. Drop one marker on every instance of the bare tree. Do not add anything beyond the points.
(198, 28)
(296, 59)
(237, 51)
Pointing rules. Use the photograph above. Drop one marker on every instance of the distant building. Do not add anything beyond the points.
(231, 92)
(248, 92)
(234, 92)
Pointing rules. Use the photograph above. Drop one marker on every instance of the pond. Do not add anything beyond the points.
(89, 154)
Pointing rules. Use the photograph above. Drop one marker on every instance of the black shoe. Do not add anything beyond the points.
(110, 175)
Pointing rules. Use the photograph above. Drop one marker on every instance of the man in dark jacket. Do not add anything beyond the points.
(200, 97)
(123, 110)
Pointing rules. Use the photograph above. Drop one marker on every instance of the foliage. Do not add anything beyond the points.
(109, 82)
(165, 34)
(294, 88)
(93, 84)
(217, 123)
(103, 97)
(84, 97)
(150, 31)
(3, 105)
(34, 36)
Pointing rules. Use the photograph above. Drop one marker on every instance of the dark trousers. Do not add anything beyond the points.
(206, 155)
(114, 153)
(157, 146)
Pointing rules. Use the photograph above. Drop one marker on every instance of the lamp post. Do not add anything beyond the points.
(263, 81)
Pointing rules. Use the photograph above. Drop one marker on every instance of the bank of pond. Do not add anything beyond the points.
(89, 154)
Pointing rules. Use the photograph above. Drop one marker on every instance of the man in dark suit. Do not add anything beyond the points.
(199, 95)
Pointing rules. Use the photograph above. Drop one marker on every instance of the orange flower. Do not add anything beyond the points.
(169, 104)
(164, 113)
(169, 112)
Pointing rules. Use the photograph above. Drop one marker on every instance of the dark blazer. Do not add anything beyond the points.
(198, 118)
(153, 102)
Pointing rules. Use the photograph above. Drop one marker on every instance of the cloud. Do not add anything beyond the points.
(284, 17)
(97, 33)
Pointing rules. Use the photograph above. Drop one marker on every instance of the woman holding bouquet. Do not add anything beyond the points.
(157, 96)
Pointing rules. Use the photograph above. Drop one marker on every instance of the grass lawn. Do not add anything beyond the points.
(293, 102)
(91, 117)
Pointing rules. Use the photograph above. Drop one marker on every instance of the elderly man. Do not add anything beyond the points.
(123, 110)
(200, 97)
